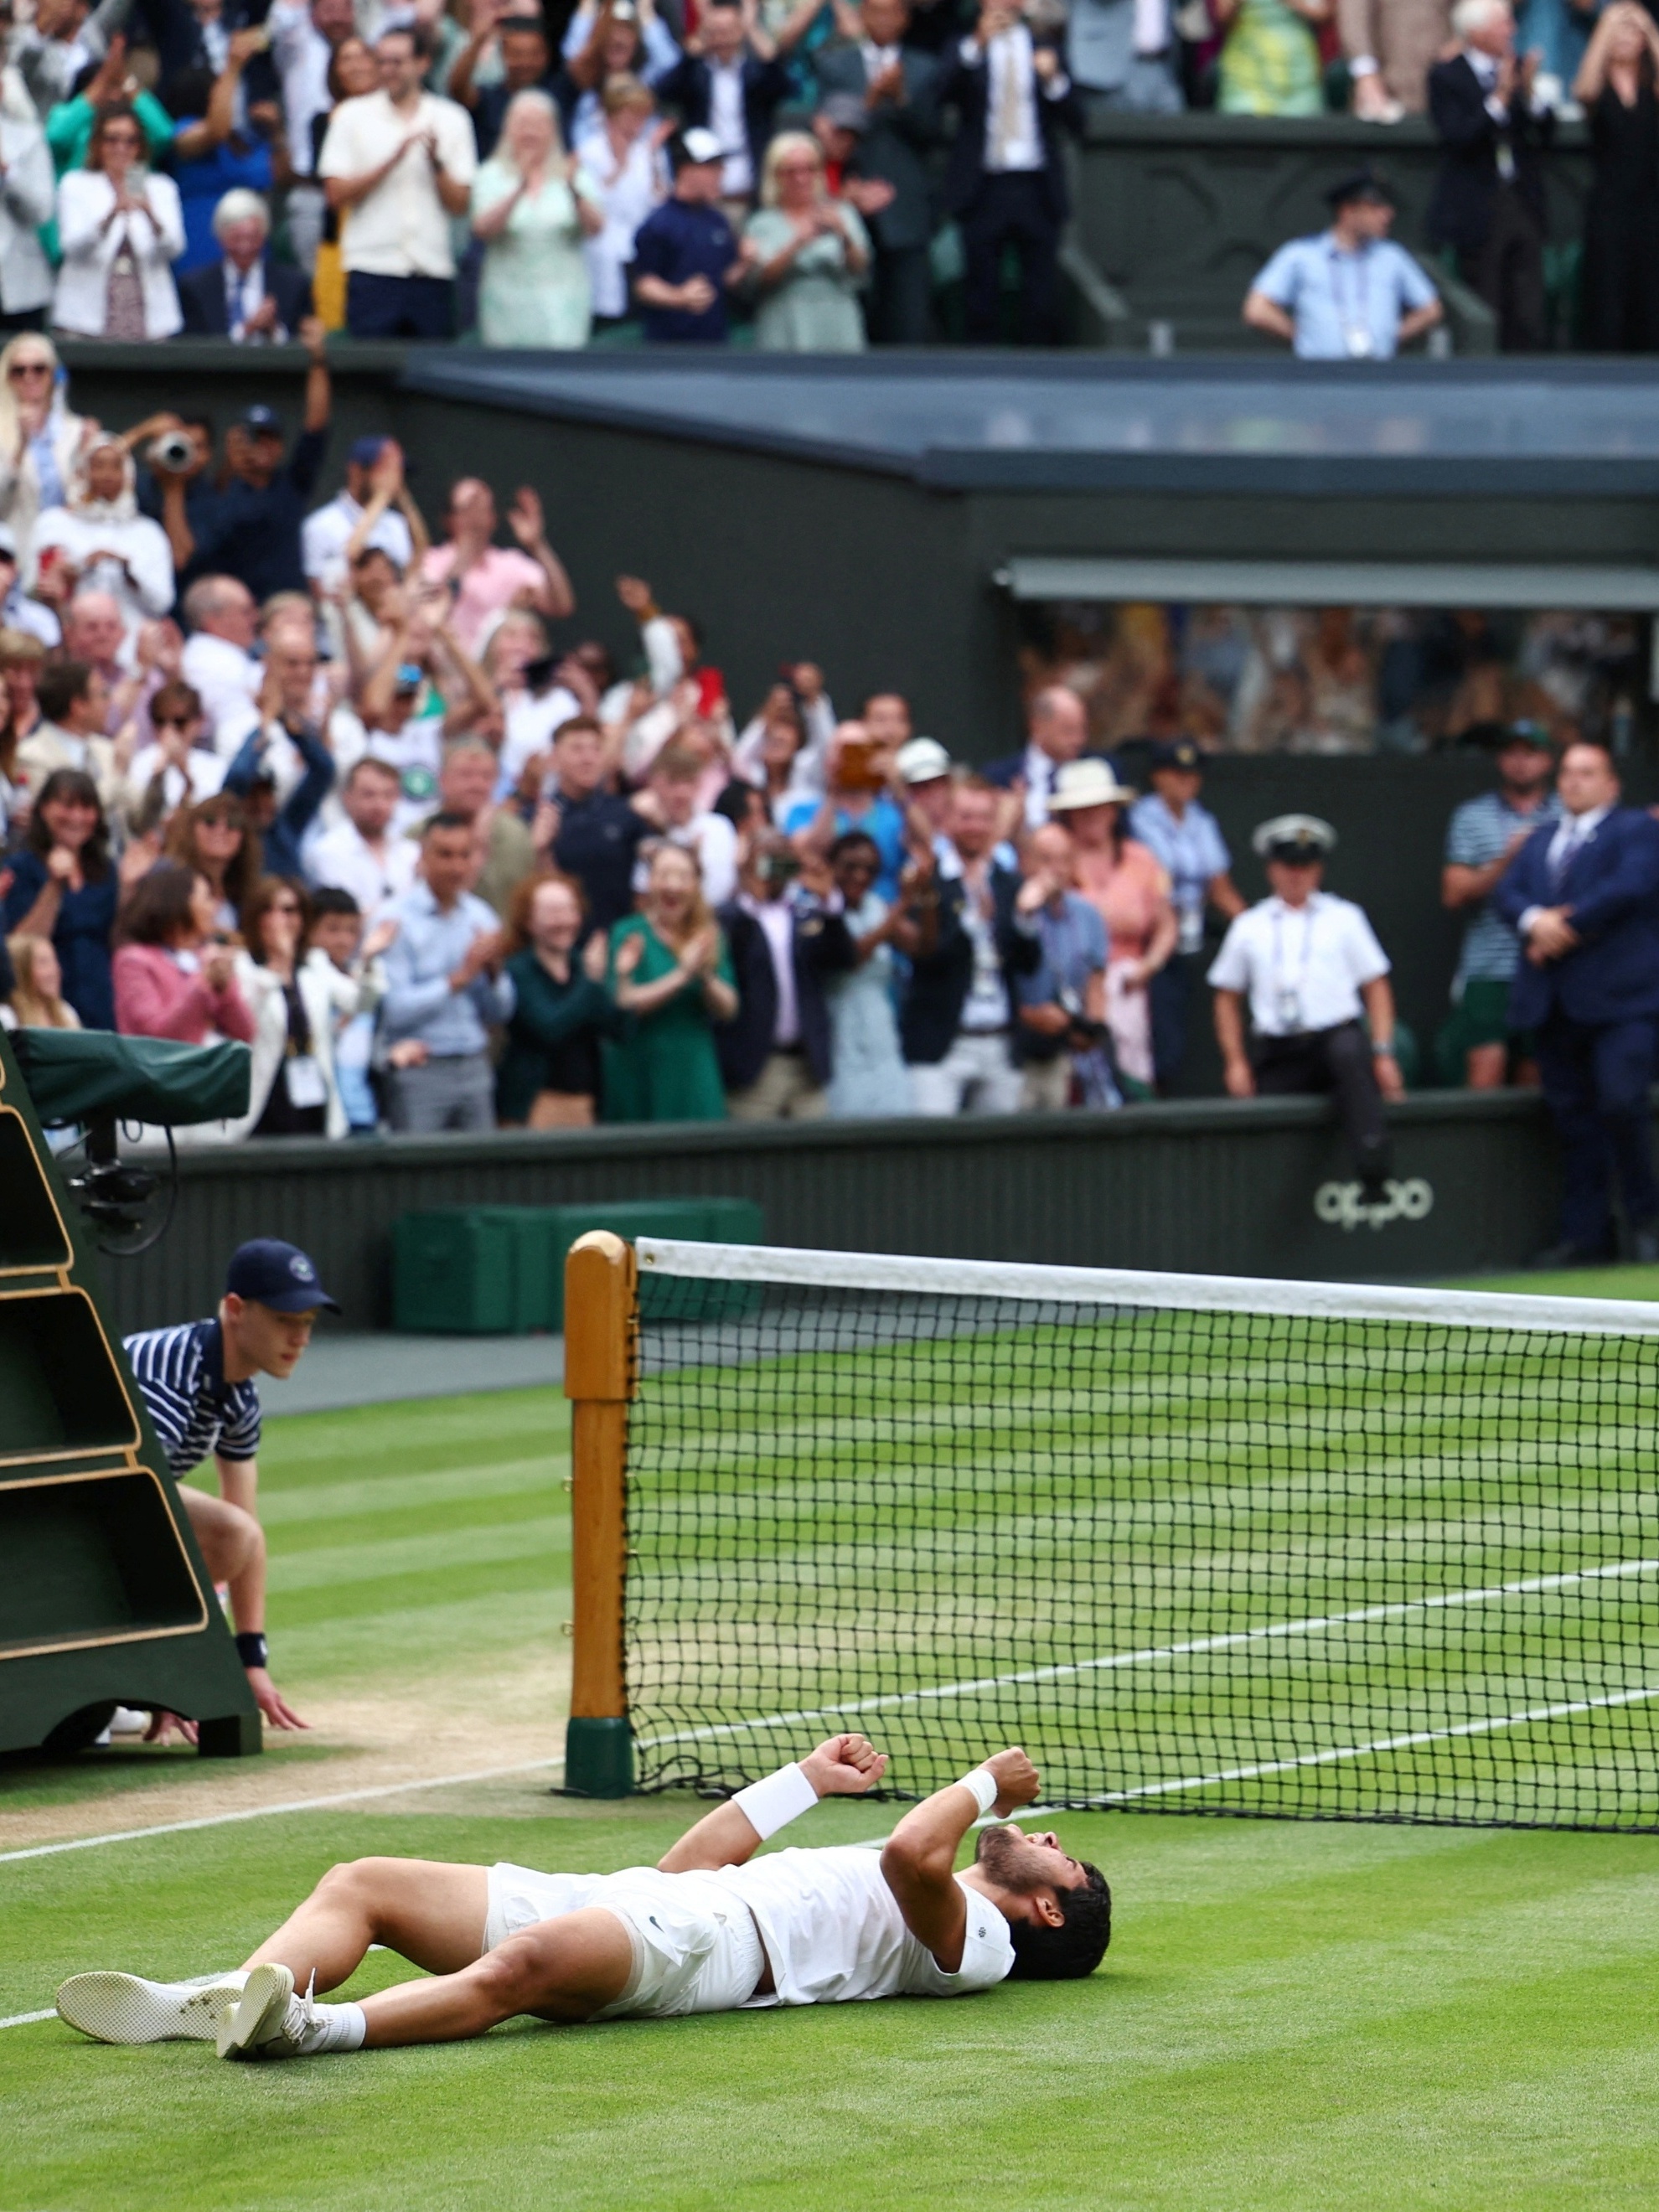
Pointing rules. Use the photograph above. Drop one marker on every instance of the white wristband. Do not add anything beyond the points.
(983, 1783)
(772, 1803)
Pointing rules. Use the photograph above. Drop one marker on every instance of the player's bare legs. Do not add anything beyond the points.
(430, 1913)
(564, 1970)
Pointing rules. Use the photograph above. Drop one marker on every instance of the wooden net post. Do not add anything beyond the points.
(600, 1319)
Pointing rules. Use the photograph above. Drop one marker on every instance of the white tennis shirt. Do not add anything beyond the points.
(833, 1931)
(1300, 967)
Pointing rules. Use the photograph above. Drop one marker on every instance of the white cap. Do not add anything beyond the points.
(699, 145)
(1089, 781)
(922, 760)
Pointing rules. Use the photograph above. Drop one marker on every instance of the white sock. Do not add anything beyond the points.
(342, 2028)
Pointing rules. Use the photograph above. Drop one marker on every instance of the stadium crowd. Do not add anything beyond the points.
(817, 172)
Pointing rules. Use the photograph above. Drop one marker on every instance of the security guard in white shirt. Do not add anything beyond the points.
(1308, 964)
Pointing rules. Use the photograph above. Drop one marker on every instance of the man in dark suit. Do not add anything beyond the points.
(1488, 200)
(245, 295)
(897, 90)
(1583, 893)
(1006, 182)
(731, 91)
(1057, 723)
(774, 1054)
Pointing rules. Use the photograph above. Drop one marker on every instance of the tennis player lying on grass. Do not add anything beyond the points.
(710, 1929)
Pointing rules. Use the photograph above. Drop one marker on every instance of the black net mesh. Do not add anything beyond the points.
(1193, 1562)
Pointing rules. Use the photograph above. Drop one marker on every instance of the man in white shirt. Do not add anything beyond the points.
(1308, 965)
(1005, 185)
(218, 661)
(362, 854)
(402, 161)
(669, 803)
(326, 533)
(710, 1929)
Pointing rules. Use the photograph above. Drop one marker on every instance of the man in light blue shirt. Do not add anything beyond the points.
(1187, 838)
(1351, 294)
(444, 988)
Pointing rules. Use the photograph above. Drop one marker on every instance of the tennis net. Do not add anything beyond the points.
(1202, 1544)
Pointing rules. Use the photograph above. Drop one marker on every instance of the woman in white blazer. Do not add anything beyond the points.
(120, 227)
(41, 441)
(298, 1004)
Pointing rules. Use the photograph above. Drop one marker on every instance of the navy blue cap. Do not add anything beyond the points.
(1176, 752)
(264, 422)
(277, 1275)
(363, 453)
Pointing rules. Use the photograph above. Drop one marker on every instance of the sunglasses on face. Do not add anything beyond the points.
(29, 369)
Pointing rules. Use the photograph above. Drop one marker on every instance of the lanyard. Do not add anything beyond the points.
(1291, 1002)
(1356, 320)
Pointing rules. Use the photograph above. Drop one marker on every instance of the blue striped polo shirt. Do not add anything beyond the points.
(181, 1373)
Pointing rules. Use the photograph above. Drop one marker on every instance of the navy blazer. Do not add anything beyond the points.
(688, 88)
(894, 146)
(940, 979)
(821, 947)
(202, 297)
(1611, 887)
(967, 87)
(1461, 204)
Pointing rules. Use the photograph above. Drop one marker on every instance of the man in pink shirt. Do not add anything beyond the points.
(485, 580)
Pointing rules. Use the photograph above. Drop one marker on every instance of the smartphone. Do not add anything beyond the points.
(860, 766)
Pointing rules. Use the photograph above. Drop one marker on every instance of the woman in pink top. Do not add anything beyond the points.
(172, 980)
(1129, 887)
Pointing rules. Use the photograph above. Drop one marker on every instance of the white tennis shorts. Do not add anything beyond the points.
(696, 1947)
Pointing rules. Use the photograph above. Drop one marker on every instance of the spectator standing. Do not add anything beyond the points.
(867, 1074)
(305, 36)
(686, 256)
(958, 1025)
(1062, 1002)
(253, 534)
(1308, 964)
(346, 973)
(731, 92)
(212, 838)
(40, 438)
(50, 52)
(245, 293)
(775, 1052)
(549, 1077)
(63, 887)
(1349, 294)
(28, 197)
(532, 206)
(291, 672)
(174, 769)
(855, 797)
(360, 854)
(1615, 85)
(1122, 56)
(100, 540)
(897, 91)
(218, 663)
(69, 735)
(1270, 57)
(119, 229)
(18, 613)
(1129, 888)
(1390, 46)
(1005, 185)
(669, 968)
(624, 164)
(292, 1092)
(402, 161)
(1482, 838)
(1185, 838)
(1583, 893)
(593, 835)
(617, 39)
(520, 40)
(174, 975)
(373, 511)
(670, 806)
(1488, 200)
(1057, 730)
(484, 579)
(444, 991)
(506, 852)
(808, 256)
(37, 989)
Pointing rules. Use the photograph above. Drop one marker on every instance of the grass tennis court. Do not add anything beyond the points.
(1290, 2015)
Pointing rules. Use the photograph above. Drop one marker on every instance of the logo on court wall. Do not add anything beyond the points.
(1343, 1205)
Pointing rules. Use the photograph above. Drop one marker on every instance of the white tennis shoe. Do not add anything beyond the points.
(126, 2009)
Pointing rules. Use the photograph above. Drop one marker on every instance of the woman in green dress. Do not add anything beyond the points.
(1270, 57)
(533, 208)
(669, 967)
(808, 256)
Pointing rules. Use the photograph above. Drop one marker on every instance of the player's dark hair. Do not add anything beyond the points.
(1077, 1947)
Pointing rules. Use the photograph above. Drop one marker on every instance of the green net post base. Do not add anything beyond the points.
(599, 1758)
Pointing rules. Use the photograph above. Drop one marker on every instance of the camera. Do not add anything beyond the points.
(173, 451)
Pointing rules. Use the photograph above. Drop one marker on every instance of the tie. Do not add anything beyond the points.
(1005, 126)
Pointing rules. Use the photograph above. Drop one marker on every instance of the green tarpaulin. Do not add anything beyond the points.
(74, 1075)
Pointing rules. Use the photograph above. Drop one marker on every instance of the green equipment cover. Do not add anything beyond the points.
(76, 1075)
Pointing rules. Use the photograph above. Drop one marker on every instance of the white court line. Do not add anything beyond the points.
(1230, 1641)
(268, 1812)
(28, 2018)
